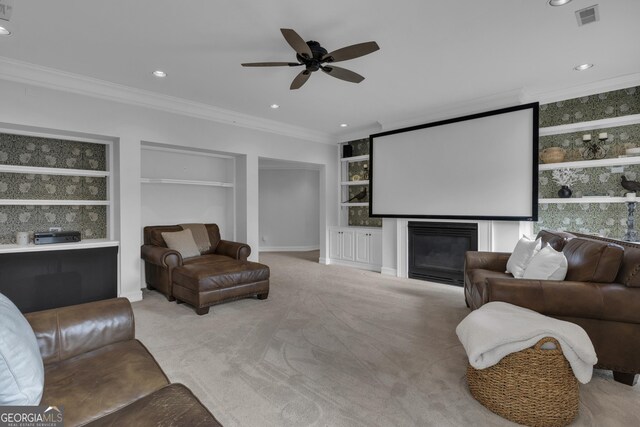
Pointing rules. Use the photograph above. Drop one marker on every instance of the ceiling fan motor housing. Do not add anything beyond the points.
(318, 52)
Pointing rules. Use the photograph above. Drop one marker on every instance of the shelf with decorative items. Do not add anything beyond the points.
(54, 182)
(598, 137)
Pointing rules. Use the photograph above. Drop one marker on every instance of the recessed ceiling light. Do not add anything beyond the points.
(4, 32)
(558, 2)
(159, 73)
(583, 67)
(274, 106)
(343, 125)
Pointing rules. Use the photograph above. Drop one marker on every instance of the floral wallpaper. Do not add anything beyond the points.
(607, 219)
(359, 215)
(21, 150)
(594, 107)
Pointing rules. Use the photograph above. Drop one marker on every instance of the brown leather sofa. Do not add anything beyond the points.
(217, 275)
(601, 293)
(102, 375)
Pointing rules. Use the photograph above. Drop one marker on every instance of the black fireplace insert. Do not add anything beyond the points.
(436, 250)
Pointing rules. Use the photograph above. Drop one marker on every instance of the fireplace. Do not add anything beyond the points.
(436, 250)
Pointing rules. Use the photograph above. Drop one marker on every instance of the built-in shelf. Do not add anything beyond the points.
(36, 170)
(617, 161)
(594, 124)
(355, 204)
(185, 182)
(355, 158)
(24, 202)
(587, 199)
(361, 182)
(85, 244)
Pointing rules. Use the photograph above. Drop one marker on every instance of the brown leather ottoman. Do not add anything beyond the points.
(203, 285)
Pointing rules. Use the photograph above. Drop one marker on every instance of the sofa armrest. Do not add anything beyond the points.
(235, 250)
(494, 261)
(66, 332)
(602, 301)
(163, 257)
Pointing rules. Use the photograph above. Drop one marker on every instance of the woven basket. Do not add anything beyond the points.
(533, 387)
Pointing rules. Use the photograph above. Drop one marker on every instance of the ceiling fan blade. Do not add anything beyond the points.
(270, 64)
(351, 52)
(300, 79)
(343, 74)
(296, 42)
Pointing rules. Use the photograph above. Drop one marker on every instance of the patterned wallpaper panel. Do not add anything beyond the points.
(607, 219)
(21, 150)
(90, 221)
(594, 107)
(51, 153)
(359, 215)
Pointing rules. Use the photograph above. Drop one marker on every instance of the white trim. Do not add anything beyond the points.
(386, 271)
(358, 265)
(361, 182)
(355, 158)
(23, 72)
(85, 244)
(37, 170)
(324, 261)
(133, 296)
(587, 199)
(585, 164)
(594, 124)
(185, 182)
(191, 152)
(38, 202)
(50, 134)
(616, 83)
(289, 248)
(354, 204)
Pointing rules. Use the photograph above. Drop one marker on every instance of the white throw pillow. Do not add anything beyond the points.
(548, 264)
(522, 255)
(21, 367)
(183, 242)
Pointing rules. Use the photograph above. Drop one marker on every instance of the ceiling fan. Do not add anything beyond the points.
(314, 57)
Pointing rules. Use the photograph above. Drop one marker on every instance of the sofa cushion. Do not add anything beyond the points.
(173, 405)
(183, 242)
(547, 264)
(99, 382)
(592, 260)
(522, 254)
(21, 368)
(225, 273)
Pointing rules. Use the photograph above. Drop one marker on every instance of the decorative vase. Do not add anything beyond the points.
(564, 192)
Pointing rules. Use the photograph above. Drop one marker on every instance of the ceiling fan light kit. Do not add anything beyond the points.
(313, 57)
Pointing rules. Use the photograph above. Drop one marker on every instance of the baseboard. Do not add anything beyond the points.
(389, 271)
(324, 261)
(359, 265)
(288, 248)
(133, 296)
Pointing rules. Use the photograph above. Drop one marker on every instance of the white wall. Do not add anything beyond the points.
(289, 209)
(65, 112)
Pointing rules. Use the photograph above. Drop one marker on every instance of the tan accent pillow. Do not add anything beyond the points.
(183, 242)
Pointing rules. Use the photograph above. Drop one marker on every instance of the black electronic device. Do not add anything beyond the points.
(347, 151)
(48, 237)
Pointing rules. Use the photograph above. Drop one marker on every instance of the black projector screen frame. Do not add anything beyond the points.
(509, 205)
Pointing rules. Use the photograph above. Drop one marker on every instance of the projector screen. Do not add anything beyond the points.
(482, 166)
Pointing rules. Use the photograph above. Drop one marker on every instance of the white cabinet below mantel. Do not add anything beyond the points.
(358, 247)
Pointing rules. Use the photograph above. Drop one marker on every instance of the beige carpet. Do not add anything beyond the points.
(334, 346)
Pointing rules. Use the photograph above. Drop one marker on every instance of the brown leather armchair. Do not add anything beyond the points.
(601, 293)
(220, 274)
(102, 375)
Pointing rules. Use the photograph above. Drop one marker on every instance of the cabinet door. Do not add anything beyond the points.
(335, 244)
(362, 246)
(375, 248)
(347, 245)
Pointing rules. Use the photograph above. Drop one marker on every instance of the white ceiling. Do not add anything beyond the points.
(433, 55)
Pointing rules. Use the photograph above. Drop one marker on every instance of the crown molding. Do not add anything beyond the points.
(608, 85)
(36, 75)
(492, 102)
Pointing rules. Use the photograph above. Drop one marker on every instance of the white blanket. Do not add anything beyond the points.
(497, 329)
